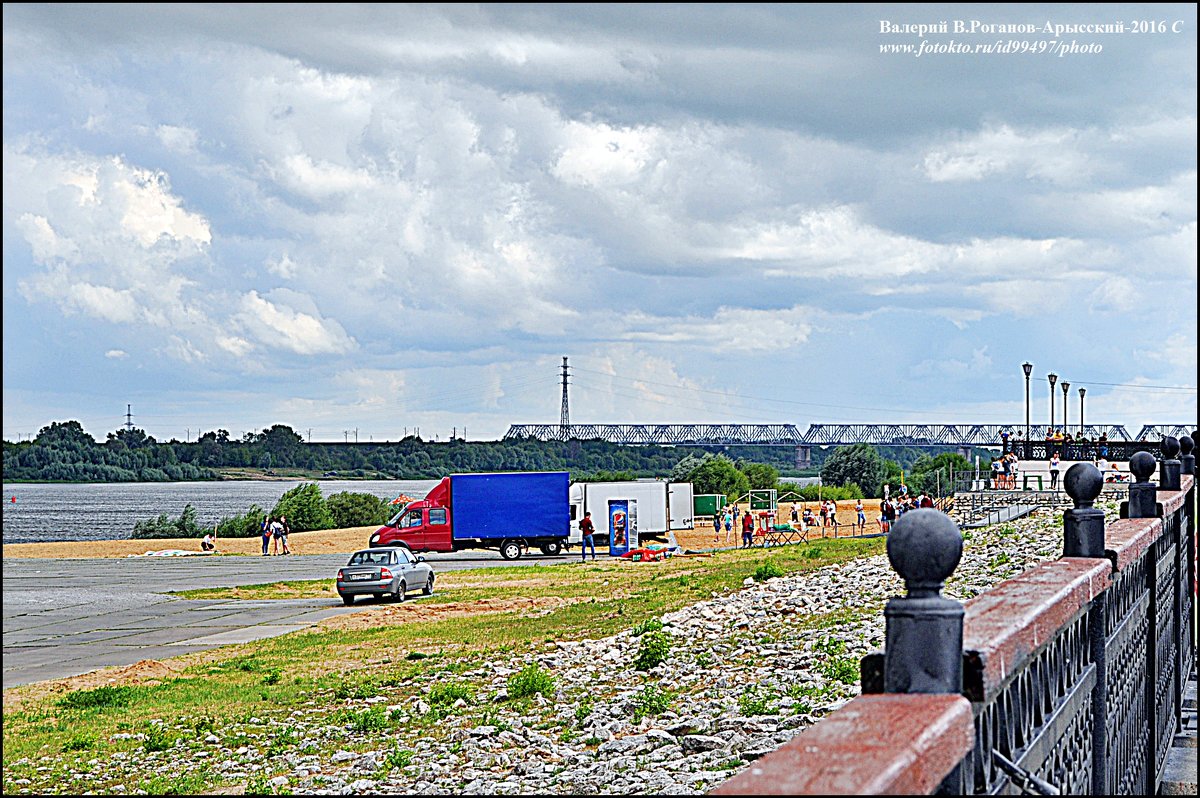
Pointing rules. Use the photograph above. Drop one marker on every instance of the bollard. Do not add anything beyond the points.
(924, 630)
(1143, 494)
(1187, 461)
(1083, 536)
(1168, 469)
(1083, 527)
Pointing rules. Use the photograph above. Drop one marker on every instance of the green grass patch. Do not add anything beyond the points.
(651, 700)
(653, 650)
(330, 666)
(530, 680)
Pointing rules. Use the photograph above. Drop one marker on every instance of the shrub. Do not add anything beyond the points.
(447, 694)
(100, 697)
(304, 508)
(648, 625)
(368, 720)
(248, 525)
(398, 758)
(80, 742)
(529, 680)
(357, 509)
(185, 526)
(158, 738)
(752, 703)
(654, 649)
(767, 570)
(650, 700)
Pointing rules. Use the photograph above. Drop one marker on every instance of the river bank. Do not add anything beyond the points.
(323, 541)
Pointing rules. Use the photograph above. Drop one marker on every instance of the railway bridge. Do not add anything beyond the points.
(961, 437)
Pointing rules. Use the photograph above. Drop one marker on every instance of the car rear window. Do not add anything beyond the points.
(371, 558)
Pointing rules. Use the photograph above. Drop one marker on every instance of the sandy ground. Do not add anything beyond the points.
(346, 541)
(325, 541)
(702, 536)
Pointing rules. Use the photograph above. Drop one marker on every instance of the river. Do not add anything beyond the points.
(41, 513)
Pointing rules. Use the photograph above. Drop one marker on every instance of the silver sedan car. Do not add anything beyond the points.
(387, 571)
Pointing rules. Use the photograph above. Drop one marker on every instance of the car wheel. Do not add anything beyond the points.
(347, 600)
(400, 593)
(428, 589)
(510, 549)
(551, 549)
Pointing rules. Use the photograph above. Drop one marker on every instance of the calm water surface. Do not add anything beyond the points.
(107, 511)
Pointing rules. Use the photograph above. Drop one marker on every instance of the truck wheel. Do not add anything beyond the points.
(551, 549)
(510, 549)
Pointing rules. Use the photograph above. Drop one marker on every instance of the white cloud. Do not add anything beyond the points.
(176, 138)
(1054, 155)
(281, 327)
(116, 354)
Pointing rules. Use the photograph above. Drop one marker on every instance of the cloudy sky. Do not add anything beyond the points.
(378, 218)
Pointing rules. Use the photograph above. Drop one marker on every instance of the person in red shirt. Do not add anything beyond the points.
(588, 530)
(747, 529)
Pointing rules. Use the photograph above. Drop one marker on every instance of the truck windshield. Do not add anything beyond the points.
(411, 518)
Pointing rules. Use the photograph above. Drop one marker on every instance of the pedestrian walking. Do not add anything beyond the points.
(862, 517)
(728, 525)
(588, 530)
(747, 530)
(276, 536)
(1054, 466)
(716, 528)
(266, 534)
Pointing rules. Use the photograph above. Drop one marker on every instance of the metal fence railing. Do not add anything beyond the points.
(1073, 670)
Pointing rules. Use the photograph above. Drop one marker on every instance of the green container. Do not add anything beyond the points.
(707, 503)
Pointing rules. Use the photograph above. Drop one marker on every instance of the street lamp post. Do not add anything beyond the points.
(1082, 391)
(1028, 369)
(1053, 379)
(1066, 386)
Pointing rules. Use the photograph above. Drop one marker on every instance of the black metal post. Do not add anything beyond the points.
(1082, 391)
(924, 630)
(1187, 461)
(1083, 536)
(1168, 469)
(1053, 379)
(1143, 494)
(1028, 369)
(1066, 386)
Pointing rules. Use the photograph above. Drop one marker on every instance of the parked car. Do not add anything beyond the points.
(386, 571)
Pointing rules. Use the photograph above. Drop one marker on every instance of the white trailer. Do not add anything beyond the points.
(661, 506)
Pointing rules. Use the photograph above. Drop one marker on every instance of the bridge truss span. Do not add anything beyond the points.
(961, 435)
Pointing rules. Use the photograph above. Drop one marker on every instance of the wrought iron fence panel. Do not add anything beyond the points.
(1164, 623)
(1127, 729)
(1041, 719)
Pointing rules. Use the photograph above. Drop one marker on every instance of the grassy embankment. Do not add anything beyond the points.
(463, 626)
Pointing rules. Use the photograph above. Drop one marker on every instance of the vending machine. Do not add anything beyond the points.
(622, 525)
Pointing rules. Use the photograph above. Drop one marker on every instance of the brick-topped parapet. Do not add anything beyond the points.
(875, 745)
(1006, 625)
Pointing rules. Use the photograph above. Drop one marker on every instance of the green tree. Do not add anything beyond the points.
(357, 509)
(64, 432)
(719, 475)
(305, 508)
(760, 475)
(859, 464)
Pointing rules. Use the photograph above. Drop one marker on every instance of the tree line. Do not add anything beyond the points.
(65, 452)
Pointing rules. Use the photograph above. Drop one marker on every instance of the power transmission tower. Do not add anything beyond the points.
(564, 418)
(129, 418)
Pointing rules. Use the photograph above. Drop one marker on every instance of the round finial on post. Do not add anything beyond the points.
(924, 547)
(1187, 461)
(1169, 448)
(1084, 483)
(1142, 465)
(1186, 444)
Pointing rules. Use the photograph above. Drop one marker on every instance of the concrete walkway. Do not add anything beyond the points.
(67, 617)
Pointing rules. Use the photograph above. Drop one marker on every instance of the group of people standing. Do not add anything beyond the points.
(275, 529)
(893, 507)
(1005, 470)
